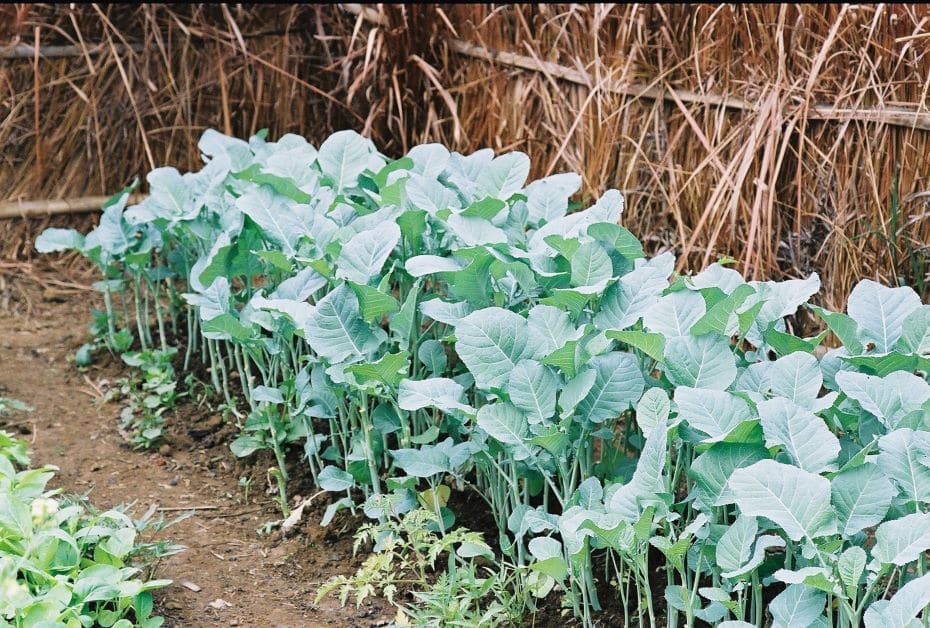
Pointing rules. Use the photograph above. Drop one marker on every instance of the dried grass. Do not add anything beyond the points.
(770, 133)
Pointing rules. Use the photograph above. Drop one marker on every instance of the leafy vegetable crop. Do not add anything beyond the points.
(422, 325)
(62, 564)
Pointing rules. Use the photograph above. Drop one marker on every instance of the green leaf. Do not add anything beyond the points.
(903, 540)
(652, 345)
(625, 301)
(532, 389)
(889, 398)
(432, 355)
(794, 499)
(717, 318)
(797, 377)
(915, 331)
(653, 408)
(279, 223)
(712, 469)
(437, 392)
(862, 496)
(335, 329)
(590, 265)
(900, 453)
(373, 303)
(390, 369)
(617, 385)
(486, 208)
(504, 176)
(491, 342)
(335, 480)
(713, 412)
(363, 256)
(53, 240)
(805, 437)
(735, 546)
(902, 608)
(880, 312)
(344, 156)
(226, 326)
(842, 326)
(704, 362)
(797, 605)
(550, 328)
(851, 566)
(421, 265)
(508, 425)
(674, 314)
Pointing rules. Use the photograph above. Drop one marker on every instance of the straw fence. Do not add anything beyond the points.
(793, 138)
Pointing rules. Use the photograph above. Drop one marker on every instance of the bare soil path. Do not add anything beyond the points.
(243, 579)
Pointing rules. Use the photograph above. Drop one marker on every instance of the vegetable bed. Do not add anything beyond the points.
(434, 324)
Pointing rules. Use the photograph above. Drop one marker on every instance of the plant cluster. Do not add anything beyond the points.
(150, 391)
(64, 564)
(430, 323)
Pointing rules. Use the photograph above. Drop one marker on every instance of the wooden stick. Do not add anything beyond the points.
(25, 51)
(183, 508)
(895, 116)
(23, 209)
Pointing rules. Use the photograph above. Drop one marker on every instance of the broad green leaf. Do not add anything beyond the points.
(903, 607)
(590, 265)
(390, 369)
(842, 326)
(504, 176)
(421, 265)
(437, 392)
(880, 312)
(344, 156)
(653, 408)
(445, 312)
(713, 412)
(899, 458)
(491, 342)
(335, 480)
(903, 540)
(674, 314)
(363, 256)
(718, 318)
(507, 424)
(704, 362)
(796, 377)
(475, 231)
(797, 605)
(735, 546)
(373, 304)
(648, 479)
(794, 499)
(336, 331)
(53, 240)
(550, 328)
(851, 566)
(889, 398)
(279, 222)
(861, 496)
(805, 437)
(432, 355)
(424, 462)
(712, 469)
(626, 300)
(575, 390)
(532, 389)
(915, 331)
(618, 384)
(652, 345)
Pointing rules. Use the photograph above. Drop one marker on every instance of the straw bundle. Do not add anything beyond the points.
(792, 138)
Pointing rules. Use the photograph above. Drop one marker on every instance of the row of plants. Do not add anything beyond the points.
(63, 563)
(434, 324)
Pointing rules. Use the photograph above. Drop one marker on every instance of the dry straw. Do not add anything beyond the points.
(776, 134)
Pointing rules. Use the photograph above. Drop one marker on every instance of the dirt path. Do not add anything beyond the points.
(264, 581)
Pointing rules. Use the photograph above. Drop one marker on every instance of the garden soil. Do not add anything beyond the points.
(228, 575)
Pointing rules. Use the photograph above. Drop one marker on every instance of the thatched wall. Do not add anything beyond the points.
(793, 138)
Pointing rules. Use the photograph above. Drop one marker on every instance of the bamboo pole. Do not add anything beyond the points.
(25, 209)
(25, 51)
